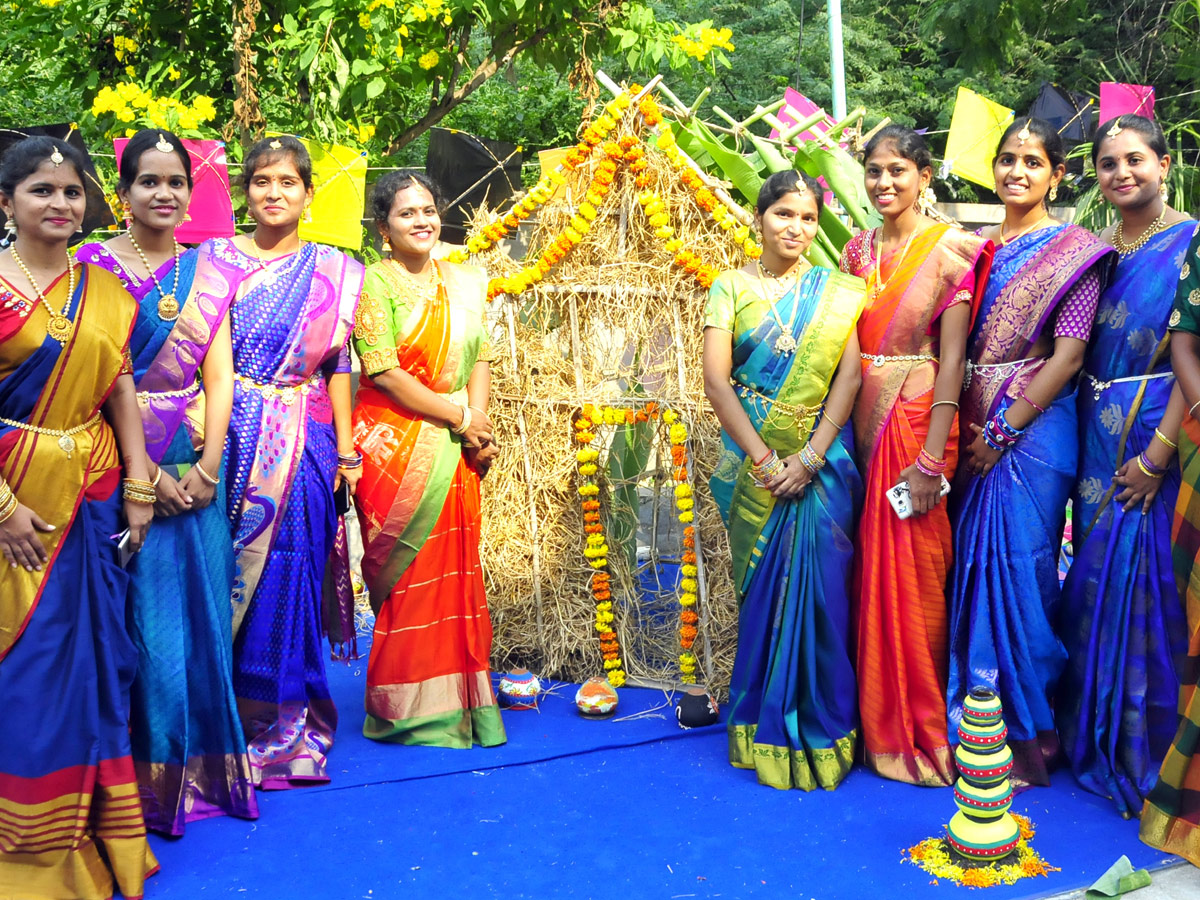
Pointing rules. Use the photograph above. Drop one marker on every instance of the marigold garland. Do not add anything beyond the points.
(934, 856)
(595, 548)
(689, 571)
(541, 192)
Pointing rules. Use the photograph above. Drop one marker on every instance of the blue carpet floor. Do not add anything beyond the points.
(613, 810)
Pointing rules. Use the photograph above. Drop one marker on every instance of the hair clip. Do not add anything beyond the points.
(56, 157)
(1024, 134)
(275, 144)
(163, 145)
(1116, 128)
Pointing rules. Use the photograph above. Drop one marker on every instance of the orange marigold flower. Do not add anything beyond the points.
(608, 636)
(612, 149)
(590, 505)
(602, 595)
(592, 136)
(705, 276)
(641, 416)
(511, 221)
(642, 181)
(629, 417)
(691, 179)
(689, 617)
(680, 474)
(593, 529)
(638, 166)
(692, 265)
(591, 517)
(690, 531)
(628, 141)
(678, 454)
(603, 177)
(687, 643)
(689, 558)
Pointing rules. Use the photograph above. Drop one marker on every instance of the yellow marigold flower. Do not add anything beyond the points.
(598, 563)
(594, 198)
(670, 416)
(659, 218)
(689, 571)
(688, 585)
(664, 232)
(428, 59)
(674, 245)
(686, 517)
(683, 489)
(678, 433)
(588, 211)
(685, 503)
(741, 233)
(688, 599)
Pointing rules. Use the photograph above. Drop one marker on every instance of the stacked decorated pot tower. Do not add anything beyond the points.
(983, 829)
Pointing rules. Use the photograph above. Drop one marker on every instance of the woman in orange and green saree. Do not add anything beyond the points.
(922, 281)
(422, 426)
(70, 818)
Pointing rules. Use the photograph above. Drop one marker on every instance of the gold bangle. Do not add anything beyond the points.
(937, 403)
(1192, 411)
(203, 474)
(157, 476)
(9, 507)
(1162, 437)
(1141, 465)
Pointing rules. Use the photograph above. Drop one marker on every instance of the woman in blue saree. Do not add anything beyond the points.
(782, 369)
(188, 746)
(1018, 426)
(1122, 619)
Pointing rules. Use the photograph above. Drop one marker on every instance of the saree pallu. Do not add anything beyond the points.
(901, 564)
(1171, 813)
(70, 820)
(188, 746)
(428, 681)
(1008, 524)
(1121, 617)
(290, 323)
(792, 709)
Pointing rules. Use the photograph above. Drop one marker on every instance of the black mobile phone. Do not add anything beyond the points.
(341, 499)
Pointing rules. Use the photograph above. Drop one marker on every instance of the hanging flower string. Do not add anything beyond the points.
(540, 193)
(689, 621)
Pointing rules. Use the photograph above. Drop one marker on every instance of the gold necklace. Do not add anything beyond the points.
(168, 305)
(425, 290)
(59, 326)
(786, 342)
(1016, 237)
(1123, 248)
(270, 277)
(875, 286)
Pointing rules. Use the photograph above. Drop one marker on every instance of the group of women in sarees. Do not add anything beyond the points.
(903, 440)
(178, 443)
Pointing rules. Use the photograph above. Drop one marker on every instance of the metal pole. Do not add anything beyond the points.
(837, 66)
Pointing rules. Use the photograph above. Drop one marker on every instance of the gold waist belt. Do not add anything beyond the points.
(878, 361)
(284, 393)
(65, 440)
(190, 391)
(800, 412)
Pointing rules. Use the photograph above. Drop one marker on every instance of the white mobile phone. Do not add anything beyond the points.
(124, 553)
(901, 502)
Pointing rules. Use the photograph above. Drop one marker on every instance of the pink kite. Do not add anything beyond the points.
(796, 107)
(1117, 99)
(210, 214)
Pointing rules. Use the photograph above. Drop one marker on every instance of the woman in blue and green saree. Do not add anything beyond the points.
(1020, 449)
(70, 819)
(1121, 618)
(782, 369)
(188, 746)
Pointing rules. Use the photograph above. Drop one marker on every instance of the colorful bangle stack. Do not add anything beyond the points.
(1166, 440)
(204, 474)
(929, 464)
(8, 502)
(1148, 468)
(811, 459)
(462, 426)
(998, 434)
(766, 469)
(135, 490)
(350, 460)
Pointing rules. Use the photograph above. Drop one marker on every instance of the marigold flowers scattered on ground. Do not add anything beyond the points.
(934, 857)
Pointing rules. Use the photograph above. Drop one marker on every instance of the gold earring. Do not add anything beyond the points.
(126, 214)
(1053, 192)
(10, 225)
(387, 244)
(308, 213)
(1162, 189)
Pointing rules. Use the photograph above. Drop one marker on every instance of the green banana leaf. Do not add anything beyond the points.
(730, 164)
(627, 459)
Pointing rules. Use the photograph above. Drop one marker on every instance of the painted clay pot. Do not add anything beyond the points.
(596, 698)
(982, 828)
(519, 689)
(697, 708)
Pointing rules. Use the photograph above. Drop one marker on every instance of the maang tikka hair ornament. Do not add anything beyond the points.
(56, 157)
(163, 145)
(1116, 128)
(1024, 134)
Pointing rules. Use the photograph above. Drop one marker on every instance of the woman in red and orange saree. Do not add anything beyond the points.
(70, 817)
(913, 336)
(425, 437)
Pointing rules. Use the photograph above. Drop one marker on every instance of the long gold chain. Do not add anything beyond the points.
(268, 276)
(168, 304)
(59, 326)
(786, 342)
(875, 283)
(1016, 237)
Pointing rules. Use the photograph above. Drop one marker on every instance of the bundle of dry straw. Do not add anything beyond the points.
(615, 323)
